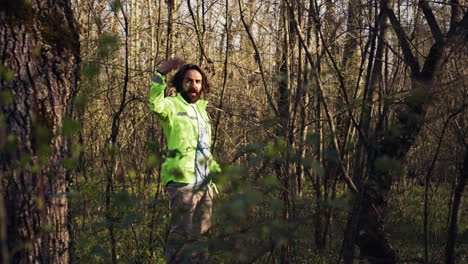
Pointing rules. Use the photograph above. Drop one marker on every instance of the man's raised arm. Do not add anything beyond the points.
(158, 84)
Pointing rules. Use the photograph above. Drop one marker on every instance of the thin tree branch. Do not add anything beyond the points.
(456, 13)
(403, 39)
(457, 203)
(195, 25)
(225, 73)
(346, 177)
(342, 84)
(431, 20)
(428, 179)
(456, 39)
(459, 29)
(257, 58)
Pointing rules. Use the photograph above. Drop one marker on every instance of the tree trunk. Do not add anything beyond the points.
(392, 145)
(371, 237)
(39, 46)
(456, 206)
(282, 165)
(171, 4)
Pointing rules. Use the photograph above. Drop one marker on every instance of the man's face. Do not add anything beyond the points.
(192, 86)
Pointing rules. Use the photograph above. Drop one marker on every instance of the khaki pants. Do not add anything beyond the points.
(191, 209)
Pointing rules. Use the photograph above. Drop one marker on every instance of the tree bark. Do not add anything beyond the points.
(39, 45)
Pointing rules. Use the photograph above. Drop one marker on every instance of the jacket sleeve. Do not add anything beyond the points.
(158, 103)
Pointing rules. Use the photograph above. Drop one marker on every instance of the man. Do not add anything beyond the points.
(189, 164)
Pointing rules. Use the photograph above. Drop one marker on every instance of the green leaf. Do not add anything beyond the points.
(276, 148)
(332, 156)
(80, 101)
(45, 150)
(270, 182)
(307, 162)
(41, 133)
(312, 139)
(70, 127)
(132, 174)
(154, 146)
(269, 122)
(90, 69)
(388, 100)
(23, 161)
(70, 164)
(386, 164)
(6, 73)
(97, 250)
(318, 168)
(123, 199)
(108, 45)
(152, 160)
(76, 150)
(281, 78)
(10, 145)
(36, 169)
(36, 51)
(338, 204)
(112, 150)
(417, 98)
(47, 228)
(6, 97)
(250, 148)
(115, 5)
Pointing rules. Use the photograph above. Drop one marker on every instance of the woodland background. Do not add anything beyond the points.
(341, 128)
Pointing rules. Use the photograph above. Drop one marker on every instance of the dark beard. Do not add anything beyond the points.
(191, 98)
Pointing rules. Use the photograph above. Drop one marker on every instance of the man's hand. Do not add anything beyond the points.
(170, 64)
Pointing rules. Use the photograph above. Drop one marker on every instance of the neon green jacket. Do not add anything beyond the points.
(179, 122)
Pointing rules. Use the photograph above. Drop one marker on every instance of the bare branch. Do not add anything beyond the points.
(456, 13)
(298, 29)
(257, 58)
(403, 39)
(456, 37)
(195, 25)
(431, 20)
(460, 29)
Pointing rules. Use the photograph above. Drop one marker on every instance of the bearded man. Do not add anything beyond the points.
(187, 169)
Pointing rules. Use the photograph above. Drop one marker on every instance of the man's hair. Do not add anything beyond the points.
(178, 78)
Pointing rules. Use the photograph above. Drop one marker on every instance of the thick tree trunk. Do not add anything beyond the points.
(371, 236)
(390, 147)
(387, 148)
(39, 46)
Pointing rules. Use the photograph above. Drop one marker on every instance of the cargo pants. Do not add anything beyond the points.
(190, 221)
